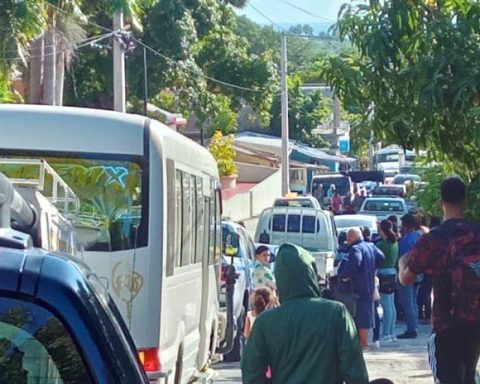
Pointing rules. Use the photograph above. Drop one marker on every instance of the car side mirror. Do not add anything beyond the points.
(232, 244)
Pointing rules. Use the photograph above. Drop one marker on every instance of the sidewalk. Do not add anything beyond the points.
(402, 361)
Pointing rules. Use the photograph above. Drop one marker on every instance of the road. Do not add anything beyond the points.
(402, 361)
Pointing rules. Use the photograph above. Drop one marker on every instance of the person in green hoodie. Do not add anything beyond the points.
(307, 339)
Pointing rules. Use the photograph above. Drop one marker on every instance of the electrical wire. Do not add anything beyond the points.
(265, 16)
(212, 79)
(306, 11)
(83, 43)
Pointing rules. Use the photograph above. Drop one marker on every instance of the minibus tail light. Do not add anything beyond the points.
(150, 359)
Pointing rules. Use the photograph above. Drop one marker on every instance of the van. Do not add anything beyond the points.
(309, 228)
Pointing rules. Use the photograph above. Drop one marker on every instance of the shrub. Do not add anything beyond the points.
(221, 149)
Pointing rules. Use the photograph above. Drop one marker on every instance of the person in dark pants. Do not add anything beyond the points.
(451, 254)
(407, 295)
(424, 298)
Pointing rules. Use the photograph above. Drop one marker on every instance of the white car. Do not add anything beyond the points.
(383, 207)
(345, 222)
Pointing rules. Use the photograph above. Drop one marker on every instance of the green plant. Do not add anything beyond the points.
(221, 149)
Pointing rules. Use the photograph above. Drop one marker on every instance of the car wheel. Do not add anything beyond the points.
(236, 353)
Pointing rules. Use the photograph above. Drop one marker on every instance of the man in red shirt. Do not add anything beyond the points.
(450, 253)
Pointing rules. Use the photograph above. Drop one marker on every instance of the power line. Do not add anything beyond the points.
(264, 15)
(83, 43)
(306, 11)
(212, 79)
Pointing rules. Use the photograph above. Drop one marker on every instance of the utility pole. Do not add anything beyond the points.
(284, 86)
(371, 141)
(336, 120)
(118, 65)
(145, 82)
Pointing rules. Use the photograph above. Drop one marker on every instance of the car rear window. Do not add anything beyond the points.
(308, 224)
(293, 224)
(383, 205)
(278, 224)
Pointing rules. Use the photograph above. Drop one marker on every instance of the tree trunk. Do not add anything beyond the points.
(49, 70)
(36, 71)
(60, 74)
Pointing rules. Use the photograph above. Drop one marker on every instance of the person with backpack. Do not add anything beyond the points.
(451, 254)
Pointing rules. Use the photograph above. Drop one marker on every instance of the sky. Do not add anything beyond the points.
(286, 11)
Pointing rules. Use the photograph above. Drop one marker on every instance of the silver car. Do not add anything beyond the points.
(383, 207)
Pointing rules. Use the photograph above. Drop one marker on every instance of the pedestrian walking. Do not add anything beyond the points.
(262, 276)
(307, 339)
(407, 294)
(336, 203)
(359, 267)
(259, 301)
(319, 193)
(388, 279)
(451, 254)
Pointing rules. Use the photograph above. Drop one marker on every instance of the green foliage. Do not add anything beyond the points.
(221, 149)
(428, 196)
(306, 112)
(417, 63)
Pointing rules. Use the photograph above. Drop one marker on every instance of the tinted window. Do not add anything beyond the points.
(35, 347)
(308, 224)
(342, 184)
(293, 223)
(383, 205)
(278, 224)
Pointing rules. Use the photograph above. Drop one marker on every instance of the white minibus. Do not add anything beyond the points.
(148, 221)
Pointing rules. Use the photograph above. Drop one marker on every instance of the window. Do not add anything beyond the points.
(383, 205)
(36, 348)
(293, 224)
(187, 220)
(111, 195)
(171, 216)
(178, 218)
(308, 224)
(278, 224)
(388, 157)
(200, 221)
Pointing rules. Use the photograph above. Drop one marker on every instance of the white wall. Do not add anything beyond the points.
(253, 173)
(250, 204)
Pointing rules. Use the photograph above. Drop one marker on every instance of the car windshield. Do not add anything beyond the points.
(342, 184)
(348, 223)
(388, 157)
(390, 190)
(383, 206)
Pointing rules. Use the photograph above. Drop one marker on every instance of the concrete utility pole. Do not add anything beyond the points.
(118, 65)
(284, 86)
(371, 142)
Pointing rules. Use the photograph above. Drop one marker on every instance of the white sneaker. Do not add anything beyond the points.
(387, 339)
(374, 345)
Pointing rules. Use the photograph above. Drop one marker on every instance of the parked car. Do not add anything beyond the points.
(345, 222)
(389, 190)
(382, 207)
(58, 324)
(310, 228)
(404, 178)
(238, 250)
(297, 201)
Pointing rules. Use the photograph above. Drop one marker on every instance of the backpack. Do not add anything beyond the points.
(462, 275)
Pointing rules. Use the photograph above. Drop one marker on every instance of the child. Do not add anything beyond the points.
(260, 300)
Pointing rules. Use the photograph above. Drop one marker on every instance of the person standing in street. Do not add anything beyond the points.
(262, 276)
(451, 254)
(359, 267)
(388, 275)
(407, 295)
(307, 339)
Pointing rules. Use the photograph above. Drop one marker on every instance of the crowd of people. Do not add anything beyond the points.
(301, 337)
(331, 199)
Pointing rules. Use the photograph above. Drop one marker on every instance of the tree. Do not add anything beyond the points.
(418, 65)
(306, 112)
